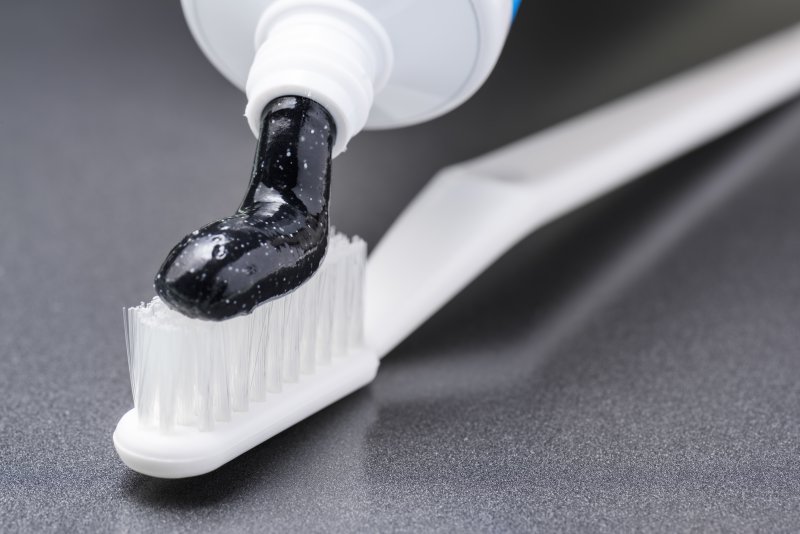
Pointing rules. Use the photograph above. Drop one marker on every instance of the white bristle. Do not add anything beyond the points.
(191, 372)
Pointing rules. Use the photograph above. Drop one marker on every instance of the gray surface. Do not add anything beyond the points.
(632, 367)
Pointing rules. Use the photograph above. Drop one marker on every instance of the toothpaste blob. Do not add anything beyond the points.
(277, 238)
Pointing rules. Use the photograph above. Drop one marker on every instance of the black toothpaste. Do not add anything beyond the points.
(278, 236)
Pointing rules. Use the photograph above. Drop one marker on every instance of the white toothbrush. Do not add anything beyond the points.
(207, 392)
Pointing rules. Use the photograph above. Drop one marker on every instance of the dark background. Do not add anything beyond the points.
(634, 366)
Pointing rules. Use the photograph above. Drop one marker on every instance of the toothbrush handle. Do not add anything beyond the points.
(472, 213)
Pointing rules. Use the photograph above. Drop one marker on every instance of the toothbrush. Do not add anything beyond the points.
(207, 392)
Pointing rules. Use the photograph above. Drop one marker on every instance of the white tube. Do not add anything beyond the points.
(372, 63)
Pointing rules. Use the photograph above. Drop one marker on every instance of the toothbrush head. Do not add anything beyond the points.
(206, 391)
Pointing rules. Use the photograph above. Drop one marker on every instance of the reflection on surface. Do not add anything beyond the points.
(270, 475)
(538, 379)
(553, 283)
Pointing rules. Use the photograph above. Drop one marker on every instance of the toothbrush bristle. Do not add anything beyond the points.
(194, 373)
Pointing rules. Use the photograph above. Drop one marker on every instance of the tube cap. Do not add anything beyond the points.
(331, 51)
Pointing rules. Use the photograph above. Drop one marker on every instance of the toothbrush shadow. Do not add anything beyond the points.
(273, 466)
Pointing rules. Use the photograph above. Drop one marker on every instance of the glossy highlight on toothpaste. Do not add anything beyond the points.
(277, 238)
